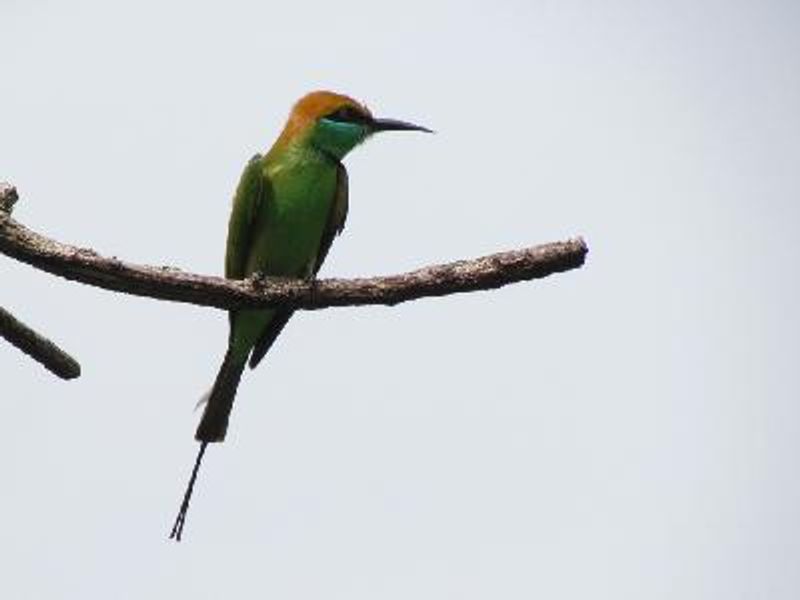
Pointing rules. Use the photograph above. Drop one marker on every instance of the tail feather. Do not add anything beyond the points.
(214, 424)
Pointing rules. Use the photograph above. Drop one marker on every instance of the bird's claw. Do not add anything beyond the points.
(258, 279)
(313, 287)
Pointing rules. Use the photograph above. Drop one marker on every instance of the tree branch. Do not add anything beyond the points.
(168, 283)
(23, 337)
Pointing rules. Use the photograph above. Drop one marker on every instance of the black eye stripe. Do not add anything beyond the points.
(347, 114)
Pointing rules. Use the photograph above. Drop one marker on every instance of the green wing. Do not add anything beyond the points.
(334, 227)
(252, 191)
(337, 217)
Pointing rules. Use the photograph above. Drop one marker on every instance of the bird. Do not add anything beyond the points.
(289, 205)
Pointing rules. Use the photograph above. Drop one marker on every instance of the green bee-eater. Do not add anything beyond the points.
(289, 206)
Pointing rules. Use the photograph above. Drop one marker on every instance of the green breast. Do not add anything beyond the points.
(290, 226)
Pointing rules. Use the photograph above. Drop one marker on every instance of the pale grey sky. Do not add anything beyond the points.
(629, 430)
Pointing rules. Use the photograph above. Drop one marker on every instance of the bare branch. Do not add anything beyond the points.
(167, 283)
(20, 335)
(37, 347)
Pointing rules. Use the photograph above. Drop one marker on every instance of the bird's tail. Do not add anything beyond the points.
(214, 424)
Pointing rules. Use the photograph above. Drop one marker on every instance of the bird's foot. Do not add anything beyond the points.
(313, 286)
(258, 279)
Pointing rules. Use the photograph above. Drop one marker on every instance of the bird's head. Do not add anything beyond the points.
(335, 124)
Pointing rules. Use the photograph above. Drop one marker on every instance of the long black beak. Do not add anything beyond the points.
(395, 125)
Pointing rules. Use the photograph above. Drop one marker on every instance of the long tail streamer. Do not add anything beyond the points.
(180, 520)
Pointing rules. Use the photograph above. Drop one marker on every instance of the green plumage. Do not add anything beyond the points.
(289, 206)
(287, 209)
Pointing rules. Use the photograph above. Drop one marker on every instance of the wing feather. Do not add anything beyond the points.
(251, 193)
(253, 190)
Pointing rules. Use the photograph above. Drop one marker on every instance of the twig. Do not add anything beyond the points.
(38, 347)
(8, 197)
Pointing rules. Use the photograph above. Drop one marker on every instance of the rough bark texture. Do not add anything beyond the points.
(20, 335)
(167, 283)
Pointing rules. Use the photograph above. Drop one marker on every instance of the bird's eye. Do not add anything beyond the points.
(345, 114)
